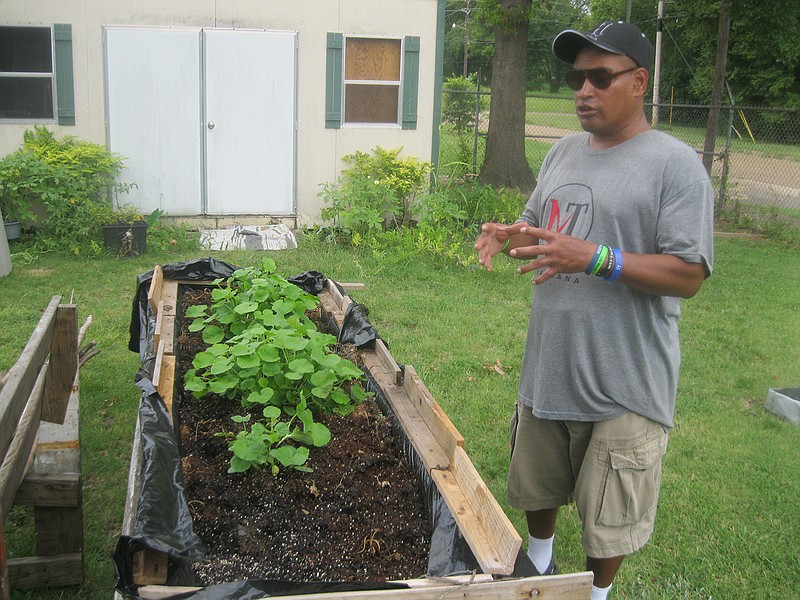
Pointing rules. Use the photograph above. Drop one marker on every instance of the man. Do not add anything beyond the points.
(618, 229)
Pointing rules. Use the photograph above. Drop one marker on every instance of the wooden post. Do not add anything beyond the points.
(63, 364)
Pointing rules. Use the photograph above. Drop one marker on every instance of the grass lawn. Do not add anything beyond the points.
(727, 524)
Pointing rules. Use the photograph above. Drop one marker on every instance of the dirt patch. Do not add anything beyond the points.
(359, 516)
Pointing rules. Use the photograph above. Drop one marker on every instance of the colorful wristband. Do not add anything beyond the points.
(617, 265)
(594, 260)
(601, 261)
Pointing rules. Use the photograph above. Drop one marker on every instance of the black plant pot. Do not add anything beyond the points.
(126, 238)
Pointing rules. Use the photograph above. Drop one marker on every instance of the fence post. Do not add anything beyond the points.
(477, 125)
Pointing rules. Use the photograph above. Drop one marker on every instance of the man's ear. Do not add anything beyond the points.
(641, 78)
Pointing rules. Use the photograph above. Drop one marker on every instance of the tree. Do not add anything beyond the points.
(505, 163)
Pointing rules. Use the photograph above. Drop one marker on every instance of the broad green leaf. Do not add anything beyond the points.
(222, 364)
(240, 418)
(196, 385)
(268, 353)
(262, 396)
(197, 325)
(218, 349)
(242, 349)
(222, 385)
(203, 360)
(324, 377)
(213, 334)
(340, 397)
(245, 308)
(195, 311)
(289, 456)
(272, 412)
(238, 465)
(248, 362)
(301, 365)
(221, 294)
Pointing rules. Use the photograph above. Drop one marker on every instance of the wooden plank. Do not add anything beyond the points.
(391, 366)
(59, 530)
(159, 323)
(351, 286)
(58, 449)
(49, 489)
(22, 376)
(158, 363)
(575, 586)
(149, 567)
(15, 462)
(488, 531)
(431, 453)
(154, 292)
(342, 301)
(169, 294)
(63, 364)
(42, 571)
(435, 418)
(5, 590)
(166, 381)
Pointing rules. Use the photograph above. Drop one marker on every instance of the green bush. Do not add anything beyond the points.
(375, 194)
(74, 182)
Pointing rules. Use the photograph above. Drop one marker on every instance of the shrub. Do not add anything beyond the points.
(376, 193)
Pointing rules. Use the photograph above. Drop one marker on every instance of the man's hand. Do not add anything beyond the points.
(556, 252)
(494, 236)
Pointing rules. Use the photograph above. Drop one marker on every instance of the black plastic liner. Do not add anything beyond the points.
(163, 522)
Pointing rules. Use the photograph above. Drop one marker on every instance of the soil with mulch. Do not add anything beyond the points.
(359, 516)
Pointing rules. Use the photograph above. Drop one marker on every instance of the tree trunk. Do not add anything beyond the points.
(505, 163)
(719, 81)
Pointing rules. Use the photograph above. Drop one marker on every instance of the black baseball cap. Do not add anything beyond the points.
(617, 37)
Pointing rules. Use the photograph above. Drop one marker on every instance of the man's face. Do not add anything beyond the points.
(606, 113)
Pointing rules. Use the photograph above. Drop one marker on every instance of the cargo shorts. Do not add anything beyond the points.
(612, 470)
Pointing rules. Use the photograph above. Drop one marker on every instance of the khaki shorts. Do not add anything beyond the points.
(612, 469)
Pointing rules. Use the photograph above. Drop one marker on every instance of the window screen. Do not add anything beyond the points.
(26, 73)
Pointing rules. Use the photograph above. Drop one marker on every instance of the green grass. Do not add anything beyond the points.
(728, 510)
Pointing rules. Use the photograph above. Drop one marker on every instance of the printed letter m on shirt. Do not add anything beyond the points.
(567, 221)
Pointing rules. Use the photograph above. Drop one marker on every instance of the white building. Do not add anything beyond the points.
(225, 108)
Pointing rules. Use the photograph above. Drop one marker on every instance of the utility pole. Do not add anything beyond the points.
(657, 68)
(717, 84)
(466, 38)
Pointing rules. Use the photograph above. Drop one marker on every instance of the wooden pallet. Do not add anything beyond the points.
(39, 444)
(491, 536)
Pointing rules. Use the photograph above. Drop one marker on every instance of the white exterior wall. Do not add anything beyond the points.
(319, 150)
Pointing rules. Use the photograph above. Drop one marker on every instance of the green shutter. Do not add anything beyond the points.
(65, 87)
(410, 81)
(333, 81)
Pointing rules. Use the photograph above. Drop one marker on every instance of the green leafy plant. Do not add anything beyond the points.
(264, 351)
(376, 193)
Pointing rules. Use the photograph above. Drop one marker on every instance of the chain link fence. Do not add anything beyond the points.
(754, 159)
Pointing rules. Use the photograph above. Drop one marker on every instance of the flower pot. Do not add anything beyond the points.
(13, 230)
(126, 238)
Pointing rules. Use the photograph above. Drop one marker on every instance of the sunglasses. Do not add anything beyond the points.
(599, 78)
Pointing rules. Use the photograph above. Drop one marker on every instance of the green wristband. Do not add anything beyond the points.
(600, 261)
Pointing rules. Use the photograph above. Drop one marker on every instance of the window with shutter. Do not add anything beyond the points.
(371, 81)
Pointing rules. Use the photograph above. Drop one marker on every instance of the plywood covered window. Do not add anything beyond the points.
(36, 73)
(371, 81)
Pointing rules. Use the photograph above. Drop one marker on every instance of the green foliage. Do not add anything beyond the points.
(25, 179)
(374, 194)
(265, 352)
(458, 108)
(72, 181)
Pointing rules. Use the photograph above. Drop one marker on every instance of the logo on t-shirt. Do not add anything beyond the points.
(569, 209)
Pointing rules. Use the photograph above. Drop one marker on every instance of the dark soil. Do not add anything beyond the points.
(359, 516)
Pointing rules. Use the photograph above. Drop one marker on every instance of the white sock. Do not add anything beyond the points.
(600, 593)
(540, 552)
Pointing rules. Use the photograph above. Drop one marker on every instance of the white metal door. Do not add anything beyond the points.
(153, 115)
(250, 83)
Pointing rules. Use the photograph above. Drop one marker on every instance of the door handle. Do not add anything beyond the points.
(211, 125)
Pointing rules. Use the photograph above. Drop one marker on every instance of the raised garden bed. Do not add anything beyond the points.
(159, 555)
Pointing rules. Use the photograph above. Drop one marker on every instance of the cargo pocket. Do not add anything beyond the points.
(633, 477)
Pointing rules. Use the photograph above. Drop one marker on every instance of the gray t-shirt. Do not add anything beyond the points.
(596, 348)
